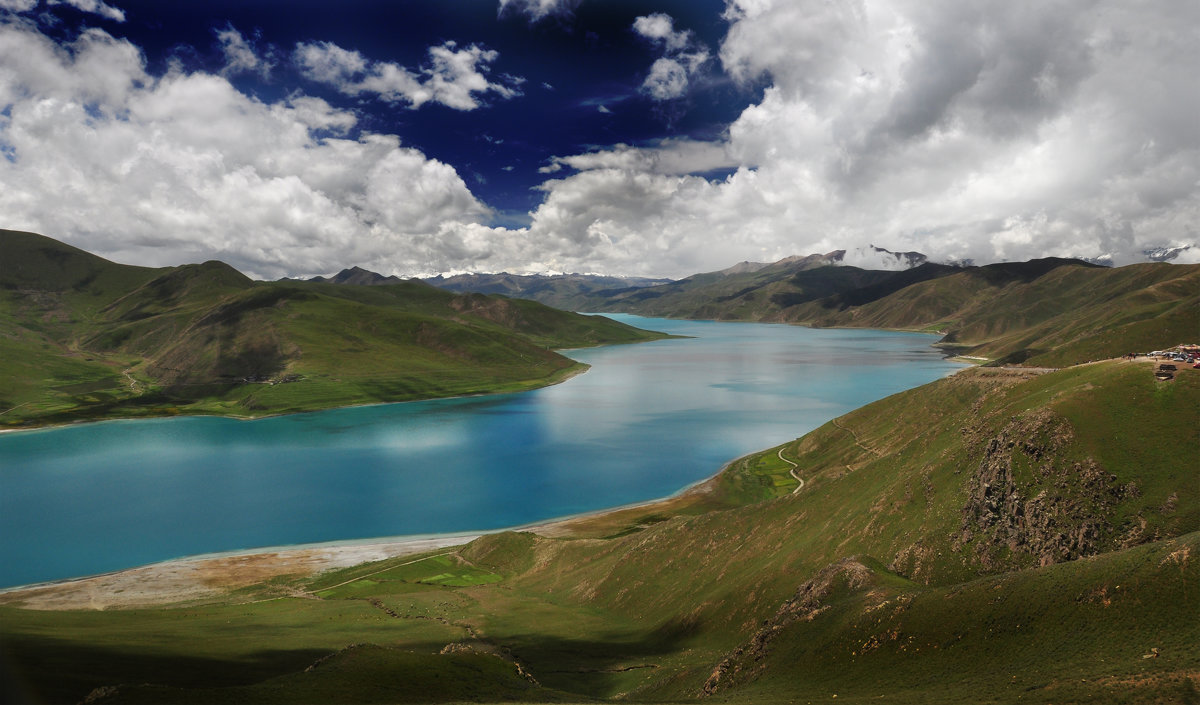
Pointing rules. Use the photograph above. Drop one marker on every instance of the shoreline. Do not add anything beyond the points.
(309, 559)
(213, 576)
(569, 373)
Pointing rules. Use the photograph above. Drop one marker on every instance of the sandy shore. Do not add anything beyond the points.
(213, 577)
(209, 577)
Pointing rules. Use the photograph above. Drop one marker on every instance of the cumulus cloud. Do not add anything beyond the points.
(453, 77)
(964, 131)
(960, 130)
(183, 167)
(659, 27)
(240, 55)
(669, 75)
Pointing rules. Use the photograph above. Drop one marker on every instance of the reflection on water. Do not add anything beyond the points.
(644, 422)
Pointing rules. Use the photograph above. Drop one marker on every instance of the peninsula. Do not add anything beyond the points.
(88, 339)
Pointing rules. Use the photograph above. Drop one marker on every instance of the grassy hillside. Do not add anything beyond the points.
(739, 292)
(82, 337)
(1049, 317)
(996, 536)
(1048, 312)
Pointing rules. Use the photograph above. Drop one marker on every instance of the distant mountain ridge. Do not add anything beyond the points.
(1048, 311)
(565, 291)
(358, 276)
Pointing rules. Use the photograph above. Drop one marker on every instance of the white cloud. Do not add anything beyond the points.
(675, 157)
(454, 77)
(959, 130)
(537, 10)
(659, 27)
(240, 55)
(329, 63)
(670, 74)
(93, 6)
(668, 79)
(183, 167)
(988, 132)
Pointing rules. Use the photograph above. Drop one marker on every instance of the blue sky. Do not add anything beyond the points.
(576, 78)
(615, 136)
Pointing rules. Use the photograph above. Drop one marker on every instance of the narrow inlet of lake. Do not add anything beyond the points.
(646, 421)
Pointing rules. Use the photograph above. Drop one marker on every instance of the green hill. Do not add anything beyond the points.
(1051, 316)
(1048, 312)
(998, 536)
(82, 337)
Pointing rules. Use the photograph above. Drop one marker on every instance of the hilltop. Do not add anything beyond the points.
(86, 338)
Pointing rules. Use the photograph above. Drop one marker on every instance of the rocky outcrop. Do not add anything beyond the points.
(1028, 504)
(748, 661)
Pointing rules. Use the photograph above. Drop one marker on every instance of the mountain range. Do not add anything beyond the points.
(1042, 312)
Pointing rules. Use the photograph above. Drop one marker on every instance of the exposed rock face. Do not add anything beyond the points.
(748, 661)
(1027, 504)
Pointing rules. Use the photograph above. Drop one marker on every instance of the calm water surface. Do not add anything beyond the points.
(644, 422)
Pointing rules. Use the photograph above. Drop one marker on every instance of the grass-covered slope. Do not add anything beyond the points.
(1053, 316)
(996, 536)
(739, 293)
(82, 337)
(1048, 312)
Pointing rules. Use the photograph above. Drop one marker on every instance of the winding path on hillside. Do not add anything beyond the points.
(133, 383)
(857, 442)
(792, 471)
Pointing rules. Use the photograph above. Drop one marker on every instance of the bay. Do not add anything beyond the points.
(646, 421)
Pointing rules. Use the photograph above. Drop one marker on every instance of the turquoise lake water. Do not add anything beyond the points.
(646, 421)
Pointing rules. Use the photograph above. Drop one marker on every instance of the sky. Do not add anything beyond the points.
(627, 137)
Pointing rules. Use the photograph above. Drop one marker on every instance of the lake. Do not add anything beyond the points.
(645, 422)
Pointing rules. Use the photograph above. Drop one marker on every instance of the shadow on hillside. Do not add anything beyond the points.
(596, 667)
(39, 669)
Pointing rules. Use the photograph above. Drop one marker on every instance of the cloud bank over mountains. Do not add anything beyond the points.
(959, 130)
